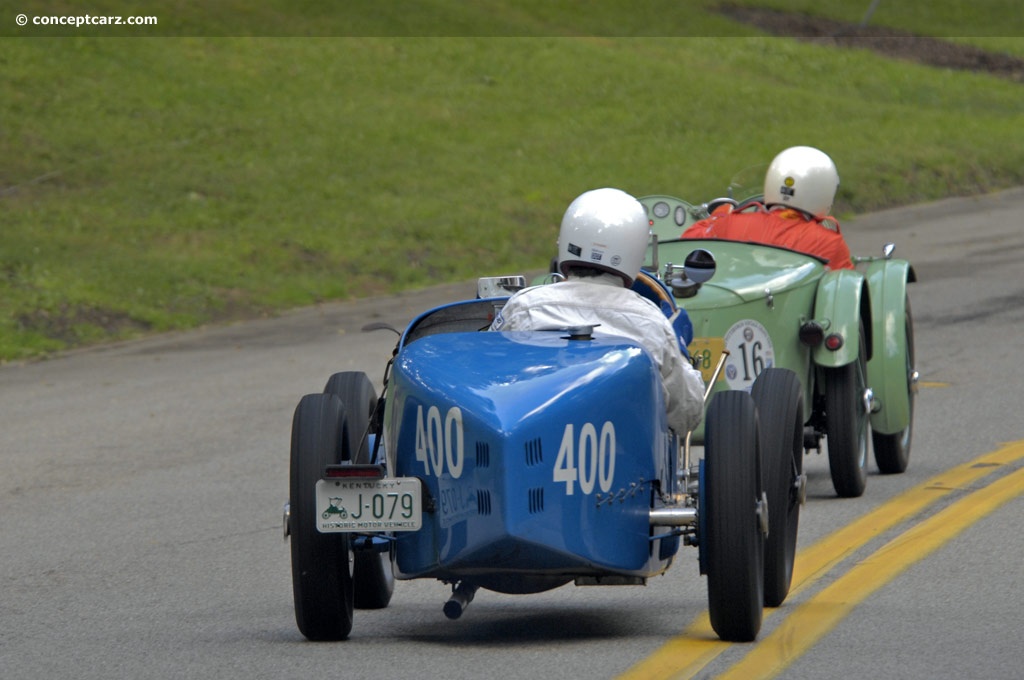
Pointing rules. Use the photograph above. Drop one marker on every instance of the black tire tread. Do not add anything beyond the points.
(778, 394)
(321, 582)
(734, 543)
(372, 571)
(847, 448)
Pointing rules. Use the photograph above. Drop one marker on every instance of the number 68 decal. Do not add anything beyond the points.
(588, 458)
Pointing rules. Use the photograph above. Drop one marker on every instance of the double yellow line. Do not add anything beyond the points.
(805, 624)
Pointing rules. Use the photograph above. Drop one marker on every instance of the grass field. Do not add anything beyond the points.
(150, 184)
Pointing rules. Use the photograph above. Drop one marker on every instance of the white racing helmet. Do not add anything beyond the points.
(605, 229)
(804, 178)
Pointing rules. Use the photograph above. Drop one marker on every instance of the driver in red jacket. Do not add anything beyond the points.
(799, 189)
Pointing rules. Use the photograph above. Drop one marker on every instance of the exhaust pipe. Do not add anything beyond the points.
(673, 517)
(462, 595)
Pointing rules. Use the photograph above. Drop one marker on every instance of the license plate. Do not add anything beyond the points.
(390, 504)
(707, 352)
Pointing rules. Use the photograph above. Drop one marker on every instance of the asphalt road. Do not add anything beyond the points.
(141, 488)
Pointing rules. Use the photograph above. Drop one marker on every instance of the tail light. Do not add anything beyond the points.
(833, 342)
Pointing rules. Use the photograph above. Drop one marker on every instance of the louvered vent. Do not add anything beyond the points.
(483, 454)
(483, 502)
(536, 500)
(534, 455)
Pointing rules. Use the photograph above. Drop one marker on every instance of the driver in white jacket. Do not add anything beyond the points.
(601, 247)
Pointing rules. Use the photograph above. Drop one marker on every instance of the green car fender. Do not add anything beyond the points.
(841, 303)
(888, 371)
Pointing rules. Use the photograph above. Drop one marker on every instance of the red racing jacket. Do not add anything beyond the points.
(782, 227)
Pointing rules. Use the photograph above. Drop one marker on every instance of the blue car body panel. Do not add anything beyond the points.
(541, 455)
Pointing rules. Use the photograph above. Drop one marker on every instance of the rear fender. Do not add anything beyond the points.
(842, 302)
(887, 370)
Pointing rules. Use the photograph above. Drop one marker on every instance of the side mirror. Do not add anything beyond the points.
(699, 266)
(499, 286)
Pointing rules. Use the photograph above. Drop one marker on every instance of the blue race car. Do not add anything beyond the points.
(519, 462)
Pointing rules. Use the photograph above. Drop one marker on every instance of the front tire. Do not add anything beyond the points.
(373, 571)
(322, 583)
(733, 540)
(780, 411)
(847, 420)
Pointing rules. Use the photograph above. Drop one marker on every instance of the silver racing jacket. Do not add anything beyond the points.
(602, 301)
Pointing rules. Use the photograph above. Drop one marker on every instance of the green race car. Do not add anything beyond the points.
(777, 315)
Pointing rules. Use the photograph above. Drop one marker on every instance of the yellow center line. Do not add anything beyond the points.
(813, 619)
(818, 559)
(685, 655)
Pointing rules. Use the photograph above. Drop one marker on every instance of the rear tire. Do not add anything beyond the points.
(892, 451)
(780, 412)
(321, 563)
(847, 422)
(373, 571)
(733, 541)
